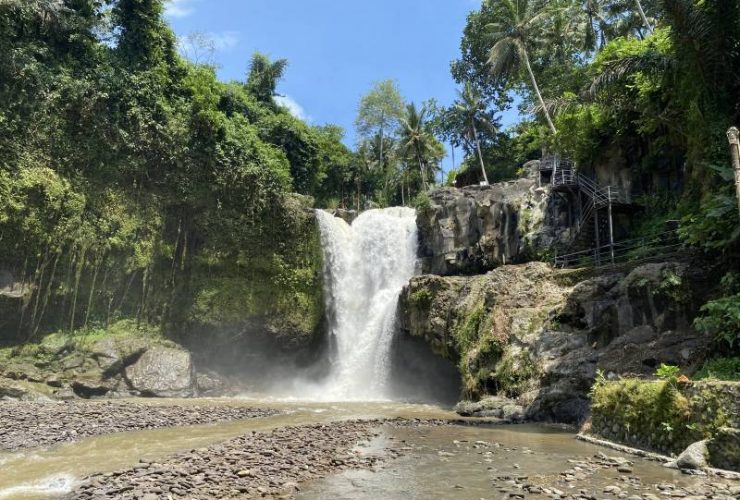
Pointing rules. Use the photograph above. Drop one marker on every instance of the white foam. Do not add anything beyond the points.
(53, 485)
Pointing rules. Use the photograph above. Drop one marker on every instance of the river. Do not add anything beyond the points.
(452, 461)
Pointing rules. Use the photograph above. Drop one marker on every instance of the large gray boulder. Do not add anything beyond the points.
(692, 458)
(162, 372)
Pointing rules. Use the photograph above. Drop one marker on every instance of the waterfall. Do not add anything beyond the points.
(366, 265)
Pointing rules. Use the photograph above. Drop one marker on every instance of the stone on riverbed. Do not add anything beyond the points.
(163, 372)
(494, 406)
(693, 458)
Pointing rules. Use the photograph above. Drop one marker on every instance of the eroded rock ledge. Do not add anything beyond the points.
(474, 229)
(537, 335)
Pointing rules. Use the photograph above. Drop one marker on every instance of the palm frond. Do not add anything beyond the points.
(554, 106)
(502, 56)
(618, 70)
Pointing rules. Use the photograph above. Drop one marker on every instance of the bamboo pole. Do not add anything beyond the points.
(733, 135)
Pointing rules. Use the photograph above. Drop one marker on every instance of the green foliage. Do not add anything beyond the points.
(135, 186)
(422, 201)
(667, 372)
(657, 412)
(721, 318)
(516, 373)
(380, 110)
(264, 76)
(720, 369)
(421, 298)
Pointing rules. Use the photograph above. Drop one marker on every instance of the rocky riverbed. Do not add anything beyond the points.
(577, 482)
(26, 424)
(257, 464)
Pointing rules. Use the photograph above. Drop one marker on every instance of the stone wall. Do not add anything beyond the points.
(667, 416)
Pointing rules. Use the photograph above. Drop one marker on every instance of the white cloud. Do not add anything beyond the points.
(293, 107)
(179, 8)
(224, 40)
(201, 48)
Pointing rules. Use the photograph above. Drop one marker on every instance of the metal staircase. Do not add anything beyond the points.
(592, 227)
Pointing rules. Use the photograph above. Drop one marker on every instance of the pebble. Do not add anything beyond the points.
(31, 424)
(268, 464)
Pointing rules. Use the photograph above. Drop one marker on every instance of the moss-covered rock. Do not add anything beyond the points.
(538, 334)
(119, 361)
(667, 416)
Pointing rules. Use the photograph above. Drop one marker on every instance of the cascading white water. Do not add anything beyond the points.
(366, 265)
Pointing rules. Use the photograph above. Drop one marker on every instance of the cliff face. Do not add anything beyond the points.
(538, 335)
(474, 229)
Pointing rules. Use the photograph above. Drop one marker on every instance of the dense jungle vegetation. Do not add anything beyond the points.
(136, 185)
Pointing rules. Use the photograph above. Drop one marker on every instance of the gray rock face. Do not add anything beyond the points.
(162, 372)
(694, 457)
(552, 329)
(474, 229)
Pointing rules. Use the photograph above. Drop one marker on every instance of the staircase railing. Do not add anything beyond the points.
(642, 249)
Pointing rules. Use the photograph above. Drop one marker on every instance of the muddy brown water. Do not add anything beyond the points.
(439, 462)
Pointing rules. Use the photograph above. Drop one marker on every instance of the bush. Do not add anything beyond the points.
(720, 369)
(721, 318)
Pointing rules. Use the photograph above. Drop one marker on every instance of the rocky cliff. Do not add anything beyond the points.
(538, 335)
(476, 228)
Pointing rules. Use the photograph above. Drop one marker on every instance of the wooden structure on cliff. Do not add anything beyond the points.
(594, 211)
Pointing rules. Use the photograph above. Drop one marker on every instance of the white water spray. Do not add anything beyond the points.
(365, 267)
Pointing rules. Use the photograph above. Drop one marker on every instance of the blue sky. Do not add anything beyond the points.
(336, 49)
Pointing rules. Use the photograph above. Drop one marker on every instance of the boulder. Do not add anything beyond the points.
(493, 406)
(162, 372)
(23, 390)
(92, 384)
(692, 458)
(113, 354)
(210, 384)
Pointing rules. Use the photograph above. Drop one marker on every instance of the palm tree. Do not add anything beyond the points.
(520, 21)
(644, 17)
(264, 76)
(416, 139)
(471, 105)
(597, 24)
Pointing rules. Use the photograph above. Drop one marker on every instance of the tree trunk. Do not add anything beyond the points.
(733, 135)
(477, 146)
(537, 91)
(382, 118)
(47, 294)
(421, 167)
(98, 262)
(643, 16)
(78, 275)
(359, 189)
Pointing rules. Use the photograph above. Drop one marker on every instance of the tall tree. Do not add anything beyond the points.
(380, 113)
(471, 105)
(145, 40)
(520, 23)
(264, 76)
(418, 142)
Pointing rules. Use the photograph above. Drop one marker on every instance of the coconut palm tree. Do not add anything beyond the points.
(520, 23)
(471, 106)
(416, 139)
(596, 24)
